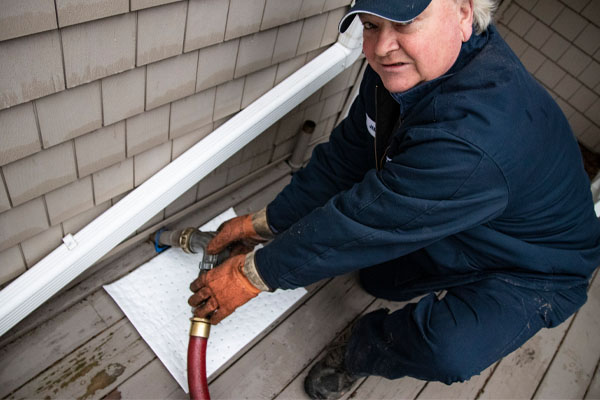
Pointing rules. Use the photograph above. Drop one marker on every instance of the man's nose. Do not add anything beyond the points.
(386, 43)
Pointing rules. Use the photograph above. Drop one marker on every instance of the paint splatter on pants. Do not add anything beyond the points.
(480, 319)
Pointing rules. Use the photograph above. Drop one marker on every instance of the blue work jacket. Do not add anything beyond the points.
(479, 168)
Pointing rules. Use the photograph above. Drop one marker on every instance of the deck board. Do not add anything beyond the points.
(518, 374)
(51, 341)
(572, 368)
(470, 389)
(94, 369)
(593, 391)
(376, 387)
(153, 381)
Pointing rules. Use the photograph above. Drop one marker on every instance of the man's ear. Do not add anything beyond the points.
(465, 12)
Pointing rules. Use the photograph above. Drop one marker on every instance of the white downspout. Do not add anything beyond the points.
(80, 251)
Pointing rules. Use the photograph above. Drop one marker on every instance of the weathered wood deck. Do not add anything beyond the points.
(89, 350)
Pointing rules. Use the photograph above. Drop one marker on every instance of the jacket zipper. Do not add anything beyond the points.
(375, 137)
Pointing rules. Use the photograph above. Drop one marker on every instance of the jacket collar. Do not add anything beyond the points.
(469, 49)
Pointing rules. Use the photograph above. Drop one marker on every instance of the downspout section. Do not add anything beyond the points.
(80, 251)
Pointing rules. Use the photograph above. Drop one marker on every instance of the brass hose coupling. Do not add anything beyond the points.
(185, 240)
(200, 327)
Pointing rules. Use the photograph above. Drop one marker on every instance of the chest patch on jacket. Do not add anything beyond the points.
(370, 125)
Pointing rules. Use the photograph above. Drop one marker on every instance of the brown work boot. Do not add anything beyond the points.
(328, 378)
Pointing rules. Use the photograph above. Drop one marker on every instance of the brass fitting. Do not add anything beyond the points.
(185, 240)
(200, 327)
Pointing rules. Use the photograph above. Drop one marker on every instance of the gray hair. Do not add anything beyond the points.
(483, 11)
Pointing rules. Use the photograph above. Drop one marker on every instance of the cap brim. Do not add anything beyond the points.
(348, 18)
(396, 11)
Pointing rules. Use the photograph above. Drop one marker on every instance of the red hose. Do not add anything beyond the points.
(196, 365)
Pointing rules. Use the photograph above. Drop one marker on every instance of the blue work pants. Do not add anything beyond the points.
(478, 321)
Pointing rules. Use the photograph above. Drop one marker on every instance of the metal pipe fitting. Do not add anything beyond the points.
(304, 136)
(193, 241)
(200, 327)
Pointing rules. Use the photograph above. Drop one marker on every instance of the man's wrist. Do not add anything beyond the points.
(261, 225)
(252, 274)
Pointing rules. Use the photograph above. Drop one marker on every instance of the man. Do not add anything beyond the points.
(454, 171)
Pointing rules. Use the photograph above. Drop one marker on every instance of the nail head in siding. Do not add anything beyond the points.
(20, 18)
(21, 79)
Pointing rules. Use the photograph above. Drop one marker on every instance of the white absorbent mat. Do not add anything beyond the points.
(154, 298)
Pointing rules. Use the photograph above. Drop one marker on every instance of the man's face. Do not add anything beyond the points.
(404, 55)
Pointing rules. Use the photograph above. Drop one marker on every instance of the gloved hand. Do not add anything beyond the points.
(219, 291)
(241, 234)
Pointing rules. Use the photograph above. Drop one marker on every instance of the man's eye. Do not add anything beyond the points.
(368, 25)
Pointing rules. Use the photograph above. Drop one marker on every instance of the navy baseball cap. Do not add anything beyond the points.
(402, 11)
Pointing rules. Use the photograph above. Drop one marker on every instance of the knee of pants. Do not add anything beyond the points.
(452, 363)
(443, 357)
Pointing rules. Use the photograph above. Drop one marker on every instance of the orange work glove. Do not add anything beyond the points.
(219, 291)
(241, 234)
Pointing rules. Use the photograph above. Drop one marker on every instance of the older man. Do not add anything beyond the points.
(454, 171)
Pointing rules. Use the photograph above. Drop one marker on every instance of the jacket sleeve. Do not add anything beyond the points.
(334, 166)
(436, 185)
